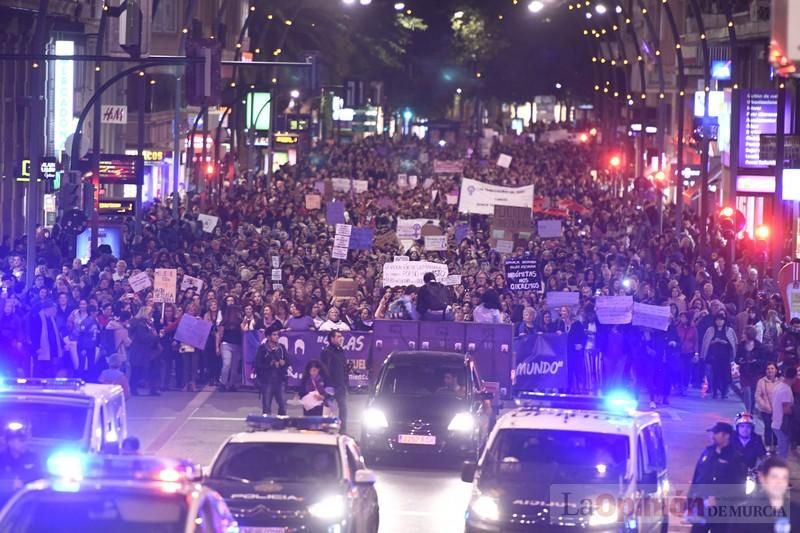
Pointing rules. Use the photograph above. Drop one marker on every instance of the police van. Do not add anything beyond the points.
(292, 474)
(132, 494)
(561, 463)
(65, 413)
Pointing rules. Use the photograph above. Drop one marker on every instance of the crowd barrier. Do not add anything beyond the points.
(490, 345)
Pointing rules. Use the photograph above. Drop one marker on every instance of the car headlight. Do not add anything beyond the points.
(375, 419)
(330, 508)
(486, 508)
(462, 422)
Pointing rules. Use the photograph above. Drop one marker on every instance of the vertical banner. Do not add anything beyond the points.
(490, 345)
(442, 336)
(541, 363)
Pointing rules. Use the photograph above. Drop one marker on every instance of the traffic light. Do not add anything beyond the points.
(69, 195)
(762, 232)
(731, 221)
(615, 161)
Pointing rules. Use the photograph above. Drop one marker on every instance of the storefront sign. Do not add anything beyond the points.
(758, 116)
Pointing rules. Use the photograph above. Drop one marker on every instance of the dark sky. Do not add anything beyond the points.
(544, 49)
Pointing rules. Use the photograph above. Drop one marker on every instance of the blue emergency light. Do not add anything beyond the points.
(75, 466)
(617, 402)
(327, 424)
(42, 383)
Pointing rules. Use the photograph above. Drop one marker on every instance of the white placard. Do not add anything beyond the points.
(277, 274)
(614, 309)
(402, 181)
(276, 261)
(411, 228)
(549, 229)
(412, 181)
(504, 246)
(277, 286)
(164, 285)
(453, 279)
(360, 186)
(556, 299)
(114, 114)
(341, 241)
(340, 184)
(140, 282)
(209, 222)
(480, 198)
(407, 273)
(435, 243)
(651, 316)
(189, 282)
(504, 161)
(452, 199)
(401, 258)
(340, 252)
(344, 229)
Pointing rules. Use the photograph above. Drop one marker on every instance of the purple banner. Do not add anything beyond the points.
(250, 342)
(541, 362)
(490, 345)
(442, 336)
(334, 213)
(390, 336)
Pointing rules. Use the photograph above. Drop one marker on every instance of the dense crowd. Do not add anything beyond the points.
(76, 315)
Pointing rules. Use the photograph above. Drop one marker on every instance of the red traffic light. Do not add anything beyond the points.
(727, 212)
(210, 169)
(615, 161)
(731, 220)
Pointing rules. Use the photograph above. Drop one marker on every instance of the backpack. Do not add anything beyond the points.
(107, 342)
(398, 311)
(440, 296)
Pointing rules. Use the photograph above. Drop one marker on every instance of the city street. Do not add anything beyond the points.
(415, 497)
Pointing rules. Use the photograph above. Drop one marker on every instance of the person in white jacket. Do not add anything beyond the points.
(765, 394)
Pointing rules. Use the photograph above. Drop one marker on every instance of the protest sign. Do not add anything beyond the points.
(556, 299)
(344, 229)
(345, 288)
(513, 219)
(334, 213)
(277, 274)
(435, 243)
(480, 198)
(504, 161)
(276, 261)
(407, 273)
(402, 181)
(448, 167)
(360, 186)
(401, 258)
(277, 286)
(522, 274)
(651, 316)
(361, 238)
(411, 228)
(549, 229)
(313, 201)
(209, 222)
(614, 309)
(140, 282)
(193, 331)
(341, 241)
(504, 246)
(427, 183)
(339, 252)
(430, 229)
(541, 363)
(189, 282)
(453, 279)
(451, 199)
(384, 239)
(164, 285)
(341, 184)
(412, 181)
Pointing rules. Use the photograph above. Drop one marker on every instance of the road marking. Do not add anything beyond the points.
(179, 421)
(219, 418)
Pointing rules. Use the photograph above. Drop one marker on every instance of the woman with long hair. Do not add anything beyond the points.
(765, 393)
(211, 362)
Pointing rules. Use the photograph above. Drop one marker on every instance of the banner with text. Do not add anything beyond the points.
(480, 198)
(407, 273)
(541, 363)
(522, 274)
(614, 309)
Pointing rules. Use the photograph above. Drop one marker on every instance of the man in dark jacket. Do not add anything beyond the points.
(335, 360)
(433, 300)
(271, 367)
(717, 476)
(747, 441)
(774, 509)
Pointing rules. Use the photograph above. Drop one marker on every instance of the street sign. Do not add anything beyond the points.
(769, 146)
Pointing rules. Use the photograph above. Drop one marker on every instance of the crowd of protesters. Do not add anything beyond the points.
(77, 315)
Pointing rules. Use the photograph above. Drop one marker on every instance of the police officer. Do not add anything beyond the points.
(18, 465)
(335, 360)
(719, 478)
(747, 442)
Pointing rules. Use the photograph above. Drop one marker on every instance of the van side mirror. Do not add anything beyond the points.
(468, 471)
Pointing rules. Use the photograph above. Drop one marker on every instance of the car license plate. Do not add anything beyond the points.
(427, 440)
(262, 530)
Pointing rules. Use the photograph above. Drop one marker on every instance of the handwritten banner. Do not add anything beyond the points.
(614, 309)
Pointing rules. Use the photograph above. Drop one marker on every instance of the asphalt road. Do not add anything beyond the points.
(418, 497)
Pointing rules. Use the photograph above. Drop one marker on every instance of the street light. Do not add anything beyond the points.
(365, 2)
(399, 6)
(618, 10)
(458, 15)
(349, 2)
(535, 6)
(558, 85)
(600, 9)
(295, 94)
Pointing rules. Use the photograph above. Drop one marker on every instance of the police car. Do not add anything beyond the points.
(564, 463)
(131, 494)
(295, 474)
(65, 413)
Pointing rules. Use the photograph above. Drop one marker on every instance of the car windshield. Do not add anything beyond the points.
(47, 419)
(93, 512)
(570, 456)
(424, 378)
(259, 461)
